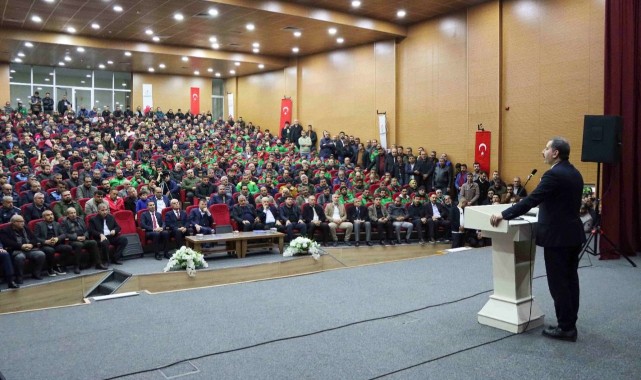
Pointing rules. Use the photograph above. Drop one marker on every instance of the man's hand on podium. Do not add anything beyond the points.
(496, 219)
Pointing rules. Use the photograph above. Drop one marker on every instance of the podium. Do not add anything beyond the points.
(513, 252)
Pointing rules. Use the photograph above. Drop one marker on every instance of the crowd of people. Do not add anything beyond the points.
(58, 166)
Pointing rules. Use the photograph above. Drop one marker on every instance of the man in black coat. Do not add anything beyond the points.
(34, 210)
(418, 216)
(268, 215)
(104, 229)
(289, 215)
(437, 217)
(176, 222)
(76, 231)
(315, 218)
(359, 216)
(151, 222)
(21, 244)
(559, 231)
(51, 239)
(244, 214)
(200, 219)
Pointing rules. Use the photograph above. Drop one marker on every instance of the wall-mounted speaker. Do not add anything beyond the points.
(602, 139)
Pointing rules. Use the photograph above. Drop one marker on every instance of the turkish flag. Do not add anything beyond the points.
(194, 100)
(285, 112)
(482, 151)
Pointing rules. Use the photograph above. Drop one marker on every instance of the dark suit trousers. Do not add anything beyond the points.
(433, 225)
(179, 236)
(7, 268)
(50, 251)
(420, 228)
(561, 265)
(323, 227)
(119, 242)
(91, 246)
(159, 240)
(36, 257)
(383, 229)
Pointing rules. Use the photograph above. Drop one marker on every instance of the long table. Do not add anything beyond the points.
(237, 241)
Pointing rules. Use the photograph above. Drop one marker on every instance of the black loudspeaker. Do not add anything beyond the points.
(602, 139)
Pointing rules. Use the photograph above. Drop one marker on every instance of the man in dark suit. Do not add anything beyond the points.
(51, 239)
(315, 218)
(200, 219)
(221, 198)
(418, 217)
(437, 217)
(289, 215)
(245, 215)
(151, 223)
(21, 244)
(104, 229)
(161, 201)
(7, 268)
(359, 216)
(8, 209)
(559, 232)
(268, 215)
(457, 223)
(176, 222)
(76, 231)
(34, 210)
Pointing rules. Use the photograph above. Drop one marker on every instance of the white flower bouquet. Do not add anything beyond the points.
(188, 259)
(303, 245)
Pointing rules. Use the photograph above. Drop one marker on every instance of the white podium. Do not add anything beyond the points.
(513, 252)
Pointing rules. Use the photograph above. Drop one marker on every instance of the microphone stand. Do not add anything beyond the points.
(525, 184)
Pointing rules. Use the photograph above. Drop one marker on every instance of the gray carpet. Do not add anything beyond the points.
(121, 336)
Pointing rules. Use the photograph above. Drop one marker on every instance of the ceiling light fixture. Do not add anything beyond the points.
(117, 8)
(17, 60)
(28, 44)
(401, 13)
(213, 39)
(356, 3)
(61, 63)
(71, 29)
(332, 31)
(210, 70)
(261, 66)
(110, 62)
(217, 74)
(232, 72)
(12, 71)
(215, 46)
(250, 26)
(196, 72)
(340, 40)
(155, 38)
(256, 44)
(67, 58)
(128, 53)
(237, 63)
(101, 66)
(162, 66)
(88, 75)
(295, 49)
(95, 26)
(256, 50)
(80, 49)
(179, 17)
(213, 12)
(185, 59)
(36, 18)
(151, 69)
(20, 54)
(149, 32)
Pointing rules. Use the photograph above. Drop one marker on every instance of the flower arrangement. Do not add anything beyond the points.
(303, 245)
(188, 259)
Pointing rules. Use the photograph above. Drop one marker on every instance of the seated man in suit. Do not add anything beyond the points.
(245, 215)
(8, 210)
(380, 219)
(151, 223)
(21, 244)
(60, 209)
(335, 212)
(51, 239)
(176, 222)
(289, 215)
(105, 230)
(359, 216)
(76, 231)
(7, 268)
(416, 214)
(91, 207)
(221, 198)
(200, 219)
(161, 201)
(35, 210)
(457, 221)
(436, 217)
(315, 218)
(268, 215)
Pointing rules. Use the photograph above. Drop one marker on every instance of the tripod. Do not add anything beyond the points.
(591, 245)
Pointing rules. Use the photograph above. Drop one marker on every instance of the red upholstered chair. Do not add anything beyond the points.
(125, 219)
(23, 208)
(32, 224)
(74, 192)
(164, 212)
(77, 165)
(83, 201)
(18, 185)
(220, 214)
(87, 217)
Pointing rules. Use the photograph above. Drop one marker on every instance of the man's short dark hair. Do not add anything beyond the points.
(563, 146)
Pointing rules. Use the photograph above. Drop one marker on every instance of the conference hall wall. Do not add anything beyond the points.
(172, 91)
(542, 59)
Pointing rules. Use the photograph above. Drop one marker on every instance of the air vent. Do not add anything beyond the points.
(291, 28)
(235, 45)
(203, 15)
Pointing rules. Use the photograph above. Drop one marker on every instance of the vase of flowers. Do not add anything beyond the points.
(188, 259)
(303, 246)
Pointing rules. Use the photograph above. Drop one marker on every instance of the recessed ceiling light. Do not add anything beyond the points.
(401, 13)
(110, 62)
(295, 49)
(256, 44)
(210, 70)
(51, 74)
(20, 54)
(237, 63)
(49, 1)
(250, 26)
(149, 32)
(101, 66)
(61, 63)
(80, 49)
(117, 8)
(124, 85)
(151, 69)
(196, 72)
(217, 74)
(82, 81)
(28, 44)
(213, 39)
(261, 66)
(155, 38)
(39, 88)
(12, 71)
(256, 50)
(128, 53)
(47, 79)
(36, 18)
(67, 58)
(215, 46)
(88, 75)
(232, 72)
(356, 3)
(332, 31)
(340, 40)
(95, 25)
(18, 60)
(213, 12)
(185, 59)
(71, 29)
(298, 33)
(179, 17)
(162, 65)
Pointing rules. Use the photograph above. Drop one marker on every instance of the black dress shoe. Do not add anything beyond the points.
(76, 269)
(393, 242)
(12, 285)
(407, 241)
(557, 333)
(382, 242)
(118, 262)
(348, 244)
(369, 243)
(166, 255)
(36, 276)
(101, 267)
(158, 256)
(357, 244)
(334, 244)
(19, 280)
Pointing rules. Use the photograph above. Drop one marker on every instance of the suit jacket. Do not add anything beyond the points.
(217, 199)
(173, 222)
(372, 212)
(455, 218)
(238, 212)
(329, 211)
(429, 211)
(164, 198)
(263, 216)
(40, 232)
(31, 212)
(146, 222)
(360, 212)
(558, 196)
(196, 218)
(308, 213)
(289, 213)
(73, 230)
(96, 225)
(416, 212)
(9, 241)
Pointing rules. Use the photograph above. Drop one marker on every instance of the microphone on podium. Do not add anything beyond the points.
(532, 174)
(529, 177)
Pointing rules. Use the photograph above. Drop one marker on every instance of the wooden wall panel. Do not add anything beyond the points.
(172, 91)
(4, 84)
(259, 98)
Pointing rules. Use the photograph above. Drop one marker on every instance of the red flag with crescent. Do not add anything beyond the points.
(285, 111)
(482, 152)
(194, 100)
